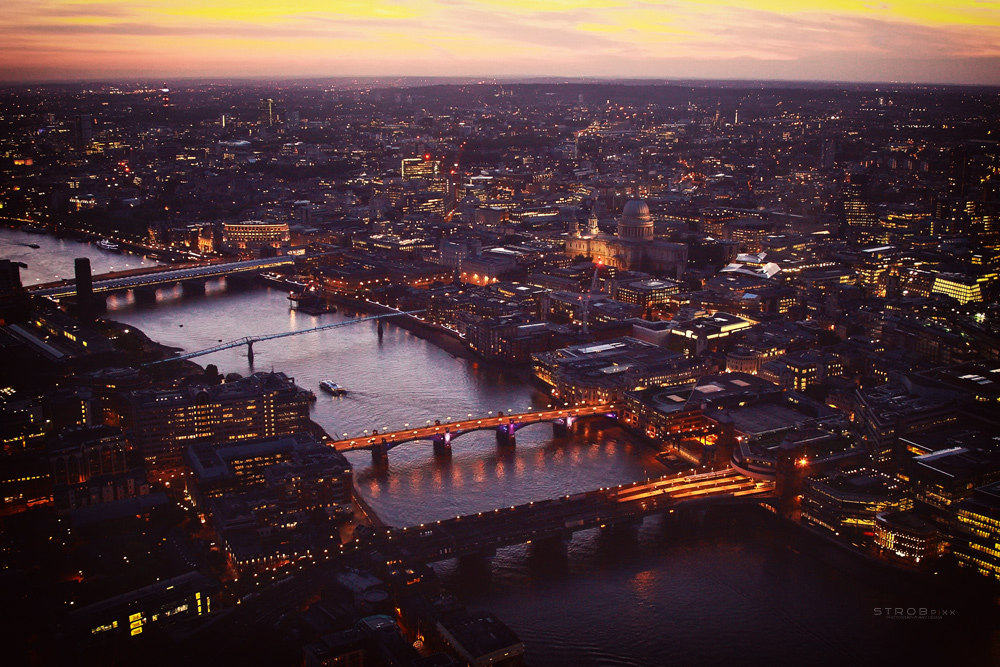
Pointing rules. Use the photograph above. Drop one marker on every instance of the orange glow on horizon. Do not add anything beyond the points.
(934, 40)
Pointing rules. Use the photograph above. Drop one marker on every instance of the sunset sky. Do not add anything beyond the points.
(940, 41)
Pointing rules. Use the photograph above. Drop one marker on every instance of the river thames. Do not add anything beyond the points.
(734, 586)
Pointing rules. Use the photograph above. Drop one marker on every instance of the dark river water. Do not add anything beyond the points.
(730, 587)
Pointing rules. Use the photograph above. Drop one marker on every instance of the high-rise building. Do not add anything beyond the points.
(859, 211)
(420, 167)
(268, 112)
(83, 130)
(978, 533)
(162, 424)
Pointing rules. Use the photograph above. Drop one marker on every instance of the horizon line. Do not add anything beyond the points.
(485, 80)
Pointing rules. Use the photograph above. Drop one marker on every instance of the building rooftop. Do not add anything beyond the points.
(481, 634)
(907, 521)
(859, 483)
(708, 389)
(957, 463)
(181, 585)
(210, 461)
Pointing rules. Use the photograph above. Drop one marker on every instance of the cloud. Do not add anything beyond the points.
(513, 36)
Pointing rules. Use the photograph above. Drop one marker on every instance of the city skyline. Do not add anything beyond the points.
(832, 40)
(638, 346)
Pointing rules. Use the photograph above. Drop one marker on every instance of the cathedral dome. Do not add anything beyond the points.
(636, 209)
(636, 222)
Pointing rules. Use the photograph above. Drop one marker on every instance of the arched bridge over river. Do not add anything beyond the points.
(505, 426)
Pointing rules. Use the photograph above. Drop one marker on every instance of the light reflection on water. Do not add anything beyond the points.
(728, 591)
(53, 259)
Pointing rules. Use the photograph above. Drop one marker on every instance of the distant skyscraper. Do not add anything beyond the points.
(829, 155)
(267, 111)
(859, 212)
(83, 129)
(958, 175)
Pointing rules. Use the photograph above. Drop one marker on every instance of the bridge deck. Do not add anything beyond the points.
(466, 425)
(250, 340)
(561, 517)
(159, 277)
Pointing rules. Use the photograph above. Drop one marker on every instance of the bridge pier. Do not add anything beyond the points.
(442, 444)
(380, 452)
(626, 531)
(479, 555)
(476, 561)
(477, 566)
(144, 295)
(505, 435)
(549, 554)
(240, 281)
(250, 352)
(563, 426)
(194, 287)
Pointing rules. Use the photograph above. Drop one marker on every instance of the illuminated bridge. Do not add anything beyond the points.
(621, 507)
(156, 278)
(442, 435)
(250, 340)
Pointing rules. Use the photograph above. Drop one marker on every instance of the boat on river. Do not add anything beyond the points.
(331, 387)
(311, 303)
(105, 244)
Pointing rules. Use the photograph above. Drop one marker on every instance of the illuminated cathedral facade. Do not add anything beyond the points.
(633, 248)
